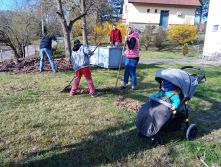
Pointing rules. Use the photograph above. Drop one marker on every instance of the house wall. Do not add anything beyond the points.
(212, 43)
(137, 13)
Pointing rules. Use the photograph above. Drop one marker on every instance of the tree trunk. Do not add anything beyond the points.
(84, 23)
(67, 27)
(23, 51)
(16, 55)
(67, 42)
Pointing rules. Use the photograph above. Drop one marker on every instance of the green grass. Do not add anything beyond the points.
(175, 54)
(42, 127)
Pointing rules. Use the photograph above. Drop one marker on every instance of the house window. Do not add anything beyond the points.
(155, 11)
(215, 28)
(148, 10)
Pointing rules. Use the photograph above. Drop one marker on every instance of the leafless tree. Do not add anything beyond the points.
(69, 11)
(17, 29)
(84, 22)
(146, 38)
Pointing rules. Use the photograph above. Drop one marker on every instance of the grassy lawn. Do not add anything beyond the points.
(42, 127)
(176, 54)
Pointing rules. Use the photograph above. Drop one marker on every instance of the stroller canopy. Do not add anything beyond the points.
(186, 81)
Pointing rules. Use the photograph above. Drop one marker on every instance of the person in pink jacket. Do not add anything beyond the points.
(132, 57)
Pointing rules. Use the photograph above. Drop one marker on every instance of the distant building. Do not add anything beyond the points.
(159, 12)
(212, 45)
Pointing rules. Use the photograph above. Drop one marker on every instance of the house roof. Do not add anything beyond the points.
(169, 2)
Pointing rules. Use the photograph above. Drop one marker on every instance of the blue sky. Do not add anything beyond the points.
(11, 4)
(7, 4)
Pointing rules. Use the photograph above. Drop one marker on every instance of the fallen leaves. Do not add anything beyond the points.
(29, 65)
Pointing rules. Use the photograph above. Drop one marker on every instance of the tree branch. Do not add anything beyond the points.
(79, 17)
(60, 11)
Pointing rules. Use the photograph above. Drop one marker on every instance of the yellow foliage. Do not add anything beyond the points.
(183, 33)
(101, 32)
(77, 29)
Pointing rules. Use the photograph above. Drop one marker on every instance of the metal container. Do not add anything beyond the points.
(107, 57)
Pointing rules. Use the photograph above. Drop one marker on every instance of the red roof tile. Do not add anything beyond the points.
(169, 2)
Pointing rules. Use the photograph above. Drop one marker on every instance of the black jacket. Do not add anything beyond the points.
(46, 41)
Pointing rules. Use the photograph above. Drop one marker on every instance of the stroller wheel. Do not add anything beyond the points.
(140, 135)
(155, 141)
(191, 132)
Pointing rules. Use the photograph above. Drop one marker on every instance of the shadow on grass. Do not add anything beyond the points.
(209, 119)
(100, 147)
(109, 146)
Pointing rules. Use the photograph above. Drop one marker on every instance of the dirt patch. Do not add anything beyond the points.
(129, 105)
(126, 104)
(32, 65)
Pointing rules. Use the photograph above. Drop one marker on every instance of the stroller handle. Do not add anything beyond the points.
(199, 77)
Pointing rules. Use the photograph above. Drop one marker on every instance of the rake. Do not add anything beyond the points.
(68, 87)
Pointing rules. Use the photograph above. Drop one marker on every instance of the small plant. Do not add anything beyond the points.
(160, 38)
(146, 38)
(185, 49)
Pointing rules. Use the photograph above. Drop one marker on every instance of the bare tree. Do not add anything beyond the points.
(84, 22)
(70, 11)
(66, 23)
(17, 29)
(146, 38)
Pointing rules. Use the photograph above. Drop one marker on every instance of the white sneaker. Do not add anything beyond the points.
(132, 89)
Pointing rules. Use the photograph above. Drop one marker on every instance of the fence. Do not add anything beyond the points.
(7, 53)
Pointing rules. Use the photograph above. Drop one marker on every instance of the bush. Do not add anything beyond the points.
(185, 49)
(183, 33)
(146, 38)
(99, 33)
(77, 29)
(160, 38)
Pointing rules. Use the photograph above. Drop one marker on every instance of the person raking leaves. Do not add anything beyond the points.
(80, 60)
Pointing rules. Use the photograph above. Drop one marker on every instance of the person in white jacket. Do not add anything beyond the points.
(80, 60)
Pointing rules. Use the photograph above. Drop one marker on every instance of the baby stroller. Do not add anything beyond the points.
(155, 115)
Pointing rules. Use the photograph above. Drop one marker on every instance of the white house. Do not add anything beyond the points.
(159, 12)
(212, 44)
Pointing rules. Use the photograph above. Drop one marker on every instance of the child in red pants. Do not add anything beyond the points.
(80, 60)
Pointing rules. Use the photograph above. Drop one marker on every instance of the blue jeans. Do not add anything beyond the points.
(130, 71)
(51, 60)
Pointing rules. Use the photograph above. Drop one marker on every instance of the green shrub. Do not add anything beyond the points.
(185, 49)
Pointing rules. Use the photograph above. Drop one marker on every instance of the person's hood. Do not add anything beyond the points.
(135, 35)
(77, 47)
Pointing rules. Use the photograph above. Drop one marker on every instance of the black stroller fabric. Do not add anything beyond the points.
(151, 118)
